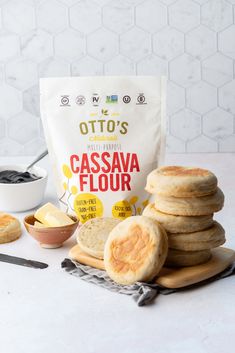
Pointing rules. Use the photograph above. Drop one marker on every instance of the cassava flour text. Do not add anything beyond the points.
(105, 171)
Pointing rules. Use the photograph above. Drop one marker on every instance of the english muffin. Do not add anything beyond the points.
(93, 234)
(136, 250)
(178, 224)
(179, 258)
(202, 240)
(190, 206)
(180, 181)
(10, 228)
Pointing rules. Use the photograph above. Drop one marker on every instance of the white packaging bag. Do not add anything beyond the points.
(104, 136)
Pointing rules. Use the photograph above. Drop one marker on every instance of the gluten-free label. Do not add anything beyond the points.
(88, 206)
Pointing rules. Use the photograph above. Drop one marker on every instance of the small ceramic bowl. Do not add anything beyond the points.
(50, 237)
(23, 196)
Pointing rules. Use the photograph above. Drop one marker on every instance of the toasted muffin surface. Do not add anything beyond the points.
(10, 228)
(135, 250)
(181, 181)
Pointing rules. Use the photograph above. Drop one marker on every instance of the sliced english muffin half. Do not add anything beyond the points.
(181, 181)
(178, 224)
(136, 250)
(10, 228)
(92, 235)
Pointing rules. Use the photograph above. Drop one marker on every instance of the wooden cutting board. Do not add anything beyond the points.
(173, 277)
(78, 255)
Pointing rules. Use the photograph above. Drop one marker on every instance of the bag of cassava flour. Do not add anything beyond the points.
(104, 135)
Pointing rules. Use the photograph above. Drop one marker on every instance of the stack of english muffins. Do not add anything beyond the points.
(185, 201)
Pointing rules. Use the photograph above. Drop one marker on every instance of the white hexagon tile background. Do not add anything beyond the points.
(191, 41)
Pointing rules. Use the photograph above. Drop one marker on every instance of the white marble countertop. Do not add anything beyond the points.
(50, 311)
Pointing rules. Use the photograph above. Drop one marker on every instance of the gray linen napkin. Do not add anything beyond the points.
(142, 293)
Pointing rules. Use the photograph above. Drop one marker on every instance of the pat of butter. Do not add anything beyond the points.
(57, 219)
(51, 216)
(39, 224)
(42, 211)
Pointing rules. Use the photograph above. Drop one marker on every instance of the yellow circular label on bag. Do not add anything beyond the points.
(88, 206)
(121, 209)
